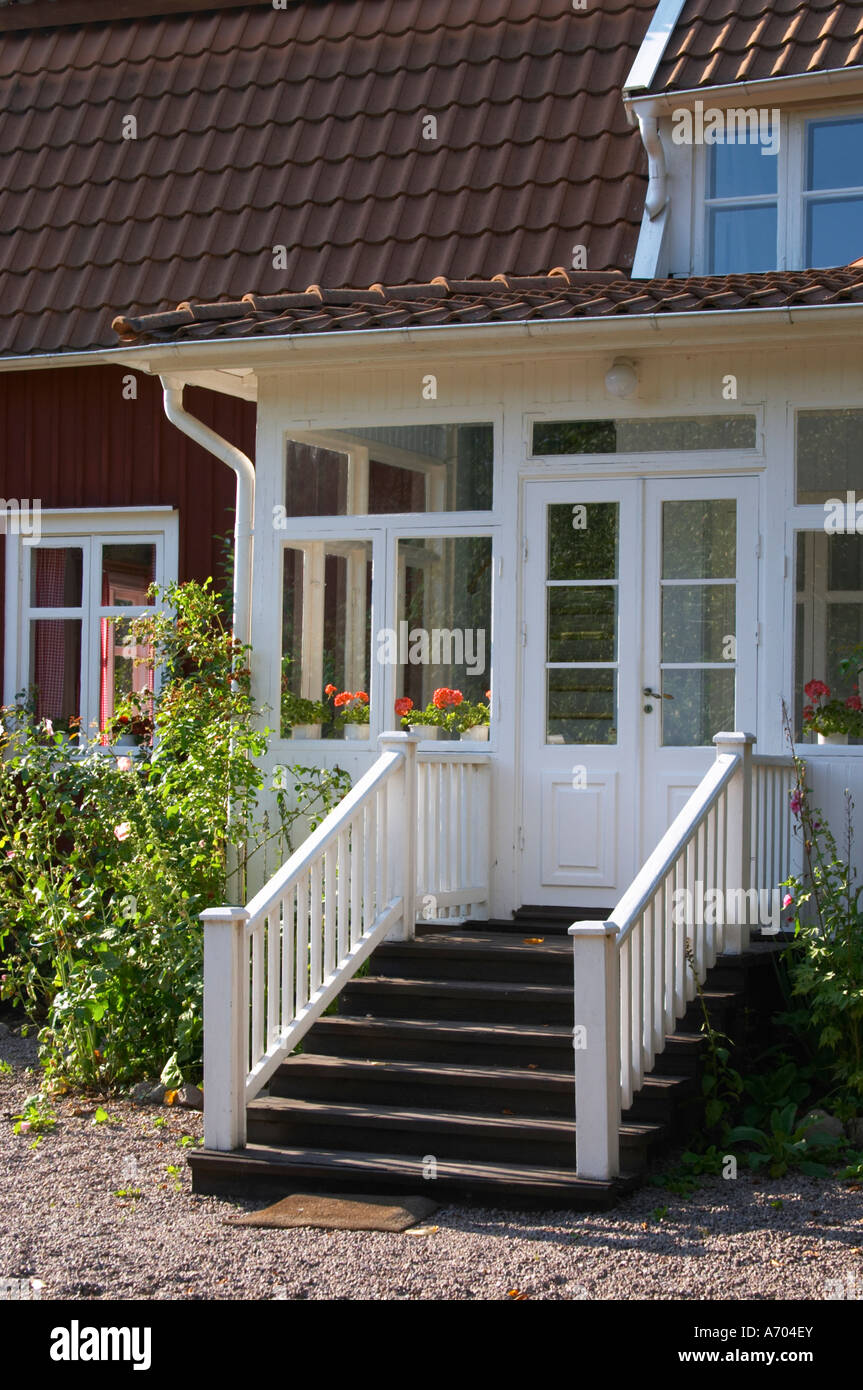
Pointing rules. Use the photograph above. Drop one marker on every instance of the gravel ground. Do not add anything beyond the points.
(105, 1211)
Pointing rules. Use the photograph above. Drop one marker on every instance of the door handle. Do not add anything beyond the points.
(655, 695)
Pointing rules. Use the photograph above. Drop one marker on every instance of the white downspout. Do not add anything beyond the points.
(172, 388)
(657, 174)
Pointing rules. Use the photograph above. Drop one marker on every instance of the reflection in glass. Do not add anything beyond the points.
(444, 617)
(829, 454)
(582, 623)
(701, 703)
(583, 540)
(699, 539)
(698, 622)
(581, 706)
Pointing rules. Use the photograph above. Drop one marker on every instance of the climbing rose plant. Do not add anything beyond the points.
(106, 862)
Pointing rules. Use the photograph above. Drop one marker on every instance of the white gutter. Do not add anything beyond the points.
(172, 388)
(825, 85)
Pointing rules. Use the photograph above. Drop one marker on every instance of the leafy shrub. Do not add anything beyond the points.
(106, 862)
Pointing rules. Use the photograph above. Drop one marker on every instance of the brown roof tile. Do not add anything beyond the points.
(301, 128)
(561, 294)
(716, 42)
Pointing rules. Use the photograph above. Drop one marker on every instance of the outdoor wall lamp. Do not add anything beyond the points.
(621, 379)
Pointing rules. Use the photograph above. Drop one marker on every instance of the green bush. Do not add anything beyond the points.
(106, 862)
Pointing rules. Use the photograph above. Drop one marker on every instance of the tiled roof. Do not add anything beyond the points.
(302, 128)
(723, 41)
(561, 294)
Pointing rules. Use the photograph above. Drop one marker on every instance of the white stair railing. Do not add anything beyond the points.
(699, 886)
(273, 966)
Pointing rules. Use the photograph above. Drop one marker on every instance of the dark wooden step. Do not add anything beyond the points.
(259, 1171)
(454, 1086)
(480, 1000)
(457, 1135)
(472, 955)
(534, 1046)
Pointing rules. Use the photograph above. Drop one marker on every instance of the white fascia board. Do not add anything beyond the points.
(797, 87)
(653, 45)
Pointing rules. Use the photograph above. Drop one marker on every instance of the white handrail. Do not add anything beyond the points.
(271, 968)
(636, 973)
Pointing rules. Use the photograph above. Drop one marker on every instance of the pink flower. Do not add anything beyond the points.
(123, 830)
(854, 702)
(796, 802)
(124, 764)
(787, 900)
(49, 726)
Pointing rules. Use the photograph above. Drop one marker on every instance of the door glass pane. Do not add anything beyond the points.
(583, 540)
(698, 622)
(699, 539)
(582, 705)
(326, 639)
(582, 622)
(55, 663)
(698, 705)
(56, 577)
(443, 638)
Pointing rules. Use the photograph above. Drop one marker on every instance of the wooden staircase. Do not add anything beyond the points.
(449, 1069)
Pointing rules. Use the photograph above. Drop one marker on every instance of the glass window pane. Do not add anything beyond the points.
(701, 703)
(395, 468)
(699, 539)
(582, 623)
(56, 577)
(834, 231)
(55, 665)
(742, 239)
(583, 540)
(581, 706)
(326, 639)
(844, 563)
(829, 454)
(834, 155)
(125, 670)
(127, 573)
(741, 170)
(698, 622)
(444, 619)
(664, 435)
(829, 615)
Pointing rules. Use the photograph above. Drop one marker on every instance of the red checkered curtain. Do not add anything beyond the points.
(49, 667)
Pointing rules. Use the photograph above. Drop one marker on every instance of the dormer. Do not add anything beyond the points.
(753, 128)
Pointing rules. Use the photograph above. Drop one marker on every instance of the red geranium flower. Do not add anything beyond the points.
(443, 697)
(361, 695)
(330, 689)
(854, 702)
(403, 705)
(813, 689)
(342, 699)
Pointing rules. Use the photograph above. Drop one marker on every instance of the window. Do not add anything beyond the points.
(792, 203)
(742, 203)
(671, 434)
(444, 617)
(69, 600)
(833, 192)
(390, 469)
(829, 617)
(829, 454)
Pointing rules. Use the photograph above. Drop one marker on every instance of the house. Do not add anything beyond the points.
(548, 323)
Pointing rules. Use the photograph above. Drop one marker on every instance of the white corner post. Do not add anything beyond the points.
(226, 1019)
(738, 845)
(402, 817)
(596, 1044)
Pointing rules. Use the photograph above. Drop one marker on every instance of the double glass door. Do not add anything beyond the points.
(639, 645)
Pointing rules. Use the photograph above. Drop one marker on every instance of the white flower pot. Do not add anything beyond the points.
(430, 731)
(478, 734)
(833, 738)
(357, 731)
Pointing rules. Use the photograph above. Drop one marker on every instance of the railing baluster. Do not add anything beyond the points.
(274, 943)
(329, 912)
(625, 1024)
(258, 988)
(302, 942)
(316, 894)
(358, 859)
(343, 925)
(288, 955)
(637, 990)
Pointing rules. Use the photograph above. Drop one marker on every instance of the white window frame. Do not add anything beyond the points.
(158, 526)
(791, 192)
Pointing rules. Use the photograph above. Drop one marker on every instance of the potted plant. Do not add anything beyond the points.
(353, 711)
(475, 720)
(830, 717)
(447, 715)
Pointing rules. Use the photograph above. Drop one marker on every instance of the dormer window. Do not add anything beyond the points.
(833, 195)
(795, 204)
(742, 202)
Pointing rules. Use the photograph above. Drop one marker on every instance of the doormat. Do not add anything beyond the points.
(329, 1213)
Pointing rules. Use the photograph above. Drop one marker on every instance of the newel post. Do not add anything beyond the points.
(402, 820)
(738, 846)
(596, 1043)
(226, 1024)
